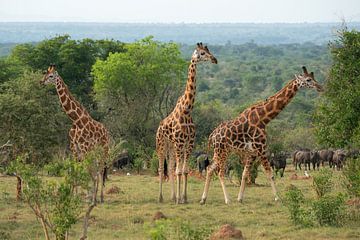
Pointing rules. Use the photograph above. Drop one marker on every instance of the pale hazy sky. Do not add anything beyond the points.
(176, 11)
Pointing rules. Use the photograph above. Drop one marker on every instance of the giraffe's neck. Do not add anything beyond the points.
(71, 107)
(276, 103)
(186, 102)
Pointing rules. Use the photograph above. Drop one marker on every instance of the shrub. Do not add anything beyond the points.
(322, 182)
(294, 199)
(351, 174)
(329, 210)
(154, 164)
(177, 229)
(138, 164)
(54, 169)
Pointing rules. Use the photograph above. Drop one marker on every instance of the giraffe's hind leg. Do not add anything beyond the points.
(222, 168)
(171, 171)
(185, 171)
(209, 172)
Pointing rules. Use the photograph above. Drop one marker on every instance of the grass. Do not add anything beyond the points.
(128, 214)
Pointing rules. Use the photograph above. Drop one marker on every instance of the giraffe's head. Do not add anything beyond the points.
(202, 53)
(50, 75)
(308, 80)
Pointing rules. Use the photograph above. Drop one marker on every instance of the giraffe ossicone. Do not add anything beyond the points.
(246, 135)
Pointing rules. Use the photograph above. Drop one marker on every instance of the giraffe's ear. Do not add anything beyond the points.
(296, 76)
(305, 70)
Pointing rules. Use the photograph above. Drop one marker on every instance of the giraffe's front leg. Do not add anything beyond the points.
(245, 174)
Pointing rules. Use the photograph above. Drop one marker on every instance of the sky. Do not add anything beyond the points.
(180, 11)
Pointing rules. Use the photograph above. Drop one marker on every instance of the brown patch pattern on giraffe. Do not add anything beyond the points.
(176, 133)
(246, 136)
(85, 133)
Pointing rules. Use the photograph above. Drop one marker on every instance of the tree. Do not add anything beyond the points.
(338, 114)
(74, 59)
(31, 118)
(138, 88)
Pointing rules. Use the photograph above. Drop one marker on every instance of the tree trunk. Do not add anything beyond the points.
(91, 206)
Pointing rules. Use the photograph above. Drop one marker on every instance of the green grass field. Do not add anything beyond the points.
(128, 215)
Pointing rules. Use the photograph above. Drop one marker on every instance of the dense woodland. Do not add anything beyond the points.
(132, 86)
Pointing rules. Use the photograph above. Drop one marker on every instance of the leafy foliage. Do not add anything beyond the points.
(322, 182)
(329, 210)
(351, 180)
(177, 229)
(139, 87)
(73, 58)
(53, 202)
(295, 200)
(338, 113)
(31, 118)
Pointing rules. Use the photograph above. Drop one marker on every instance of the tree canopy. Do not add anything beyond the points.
(139, 87)
(338, 114)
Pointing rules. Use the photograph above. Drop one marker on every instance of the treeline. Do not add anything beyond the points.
(132, 86)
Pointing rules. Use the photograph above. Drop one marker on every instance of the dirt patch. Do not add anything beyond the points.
(159, 215)
(227, 232)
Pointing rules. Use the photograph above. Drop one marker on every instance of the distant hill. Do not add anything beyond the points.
(216, 33)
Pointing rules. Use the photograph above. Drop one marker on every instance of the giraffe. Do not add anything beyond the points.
(176, 133)
(246, 136)
(85, 132)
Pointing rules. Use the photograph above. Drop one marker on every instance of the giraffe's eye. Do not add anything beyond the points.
(308, 80)
(202, 53)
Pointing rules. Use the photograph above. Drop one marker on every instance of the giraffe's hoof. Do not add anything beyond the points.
(202, 201)
(240, 200)
(227, 202)
(161, 199)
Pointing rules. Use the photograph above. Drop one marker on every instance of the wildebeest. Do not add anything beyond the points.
(326, 155)
(277, 162)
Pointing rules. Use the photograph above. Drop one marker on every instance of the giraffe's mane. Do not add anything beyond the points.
(72, 98)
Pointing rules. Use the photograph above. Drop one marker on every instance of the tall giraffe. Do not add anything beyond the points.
(246, 136)
(176, 133)
(85, 133)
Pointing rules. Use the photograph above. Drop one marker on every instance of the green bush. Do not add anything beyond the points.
(154, 164)
(177, 229)
(294, 200)
(351, 174)
(322, 182)
(54, 169)
(329, 210)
